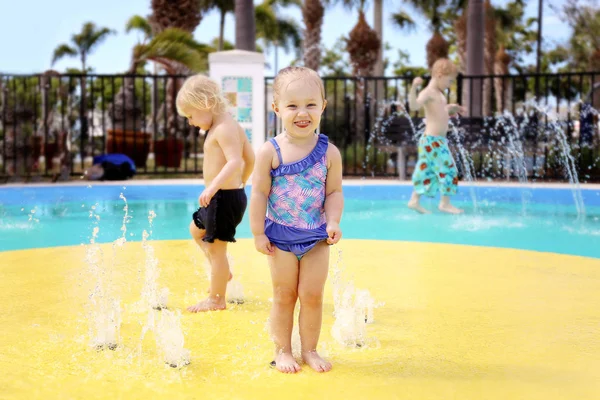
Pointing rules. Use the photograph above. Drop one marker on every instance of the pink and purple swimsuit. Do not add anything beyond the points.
(295, 219)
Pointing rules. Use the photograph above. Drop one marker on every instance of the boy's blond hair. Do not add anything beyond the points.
(201, 93)
(292, 73)
(444, 67)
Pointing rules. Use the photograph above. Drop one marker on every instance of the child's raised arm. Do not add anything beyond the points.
(261, 186)
(414, 102)
(334, 198)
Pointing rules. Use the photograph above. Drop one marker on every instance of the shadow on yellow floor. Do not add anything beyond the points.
(453, 322)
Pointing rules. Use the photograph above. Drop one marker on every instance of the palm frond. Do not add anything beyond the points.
(61, 51)
(98, 37)
(176, 35)
(402, 20)
(174, 46)
(139, 23)
(276, 29)
(289, 34)
(90, 36)
(283, 3)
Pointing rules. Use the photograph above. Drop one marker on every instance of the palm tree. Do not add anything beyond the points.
(244, 25)
(377, 26)
(312, 15)
(437, 47)
(224, 7)
(83, 44)
(403, 20)
(582, 50)
(275, 30)
(175, 51)
(513, 37)
(475, 54)
(141, 24)
(490, 50)
(183, 14)
(363, 45)
(270, 27)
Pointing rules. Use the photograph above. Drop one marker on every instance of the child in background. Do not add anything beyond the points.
(435, 170)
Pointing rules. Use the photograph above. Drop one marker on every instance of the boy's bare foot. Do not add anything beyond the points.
(285, 362)
(449, 208)
(414, 205)
(228, 280)
(314, 360)
(209, 304)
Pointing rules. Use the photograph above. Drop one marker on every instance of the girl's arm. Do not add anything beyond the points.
(334, 198)
(261, 186)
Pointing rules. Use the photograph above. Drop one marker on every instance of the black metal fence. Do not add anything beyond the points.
(509, 132)
(53, 125)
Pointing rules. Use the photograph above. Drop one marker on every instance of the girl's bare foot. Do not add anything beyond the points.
(209, 304)
(449, 208)
(285, 362)
(414, 205)
(315, 361)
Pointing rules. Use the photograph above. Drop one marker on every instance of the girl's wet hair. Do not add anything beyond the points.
(201, 93)
(292, 73)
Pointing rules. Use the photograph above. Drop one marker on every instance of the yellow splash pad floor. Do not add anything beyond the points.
(452, 322)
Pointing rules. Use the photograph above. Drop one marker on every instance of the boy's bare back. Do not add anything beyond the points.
(225, 141)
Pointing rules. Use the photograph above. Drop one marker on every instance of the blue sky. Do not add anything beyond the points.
(30, 33)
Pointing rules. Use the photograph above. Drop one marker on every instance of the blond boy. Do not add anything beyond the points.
(228, 163)
(435, 170)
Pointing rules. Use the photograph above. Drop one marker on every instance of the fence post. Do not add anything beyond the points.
(459, 86)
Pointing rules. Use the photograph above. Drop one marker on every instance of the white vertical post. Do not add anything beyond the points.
(241, 76)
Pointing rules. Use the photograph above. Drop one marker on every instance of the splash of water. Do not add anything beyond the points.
(31, 216)
(353, 310)
(165, 323)
(170, 339)
(104, 312)
(152, 297)
(467, 164)
(513, 147)
(126, 219)
(554, 129)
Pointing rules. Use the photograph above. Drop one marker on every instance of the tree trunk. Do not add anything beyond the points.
(437, 47)
(378, 27)
(221, 30)
(312, 15)
(475, 55)
(503, 87)
(244, 25)
(489, 56)
(595, 64)
(378, 70)
(460, 25)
